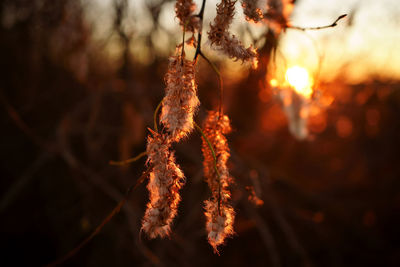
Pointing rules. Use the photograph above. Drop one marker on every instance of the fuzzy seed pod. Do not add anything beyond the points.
(184, 10)
(220, 37)
(165, 181)
(251, 10)
(180, 102)
(219, 213)
(219, 223)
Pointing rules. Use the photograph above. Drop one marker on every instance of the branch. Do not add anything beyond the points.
(155, 115)
(200, 15)
(127, 161)
(221, 84)
(25, 179)
(21, 124)
(319, 27)
(115, 211)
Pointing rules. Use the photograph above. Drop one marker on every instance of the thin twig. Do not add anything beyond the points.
(215, 164)
(221, 84)
(64, 152)
(183, 42)
(26, 178)
(22, 125)
(155, 116)
(265, 234)
(103, 223)
(127, 161)
(200, 53)
(319, 27)
(199, 34)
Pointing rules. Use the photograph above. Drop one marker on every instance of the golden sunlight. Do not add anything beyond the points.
(300, 80)
(273, 83)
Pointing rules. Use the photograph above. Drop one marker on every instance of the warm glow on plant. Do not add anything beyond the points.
(300, 80)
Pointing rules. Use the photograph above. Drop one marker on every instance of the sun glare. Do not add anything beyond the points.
(273, 83)
(300, 80)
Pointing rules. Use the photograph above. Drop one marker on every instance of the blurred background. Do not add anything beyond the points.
(79, 82)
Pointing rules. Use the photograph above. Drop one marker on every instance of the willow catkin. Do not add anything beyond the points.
(228, 43)
(219, 213)
(180, 102)
(184, 10)
(251, 10)
(165, 181)
(178, 108)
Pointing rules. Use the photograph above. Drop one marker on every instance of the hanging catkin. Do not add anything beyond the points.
(165, 181)
(180, 102)
(219, 213)
(220, 36)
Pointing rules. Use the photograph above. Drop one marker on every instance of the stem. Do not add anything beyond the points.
(200, 53)
(116, 210)
(200, 15)
(319, 27)
(183, 42)
(215, 163)
(155, 116)
(127, 161)
(221, 84)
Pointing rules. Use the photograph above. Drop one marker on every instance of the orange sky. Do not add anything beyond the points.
(362, 46)
(367, 41)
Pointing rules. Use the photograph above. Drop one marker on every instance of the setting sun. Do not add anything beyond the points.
(300, 80)
(273, 83)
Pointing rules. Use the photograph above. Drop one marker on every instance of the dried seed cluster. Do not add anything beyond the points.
(177, 112)
(220, 36)
(166, 179)
(251, 10)
(180, 102)
(219, 213)
(184, 10)
(178, 108)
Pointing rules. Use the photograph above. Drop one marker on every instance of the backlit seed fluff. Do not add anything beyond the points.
(219, 225)
(184, 10)
(165, 181)
(219, 213)
(251, 10)
(215, 127)
(180, 102)
(220, 37)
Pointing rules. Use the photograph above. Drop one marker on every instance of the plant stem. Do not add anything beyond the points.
(200, 16)
(127, 161)
(155, 116)
(116, 210)
(221, 84)
(333, 24)
(215, 164)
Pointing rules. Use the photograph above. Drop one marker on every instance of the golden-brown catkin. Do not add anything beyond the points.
(180, 102)
(184, 10)
(219, 213)
(228, 43)
(251, 10)
(166, 179)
